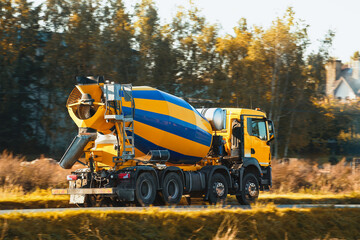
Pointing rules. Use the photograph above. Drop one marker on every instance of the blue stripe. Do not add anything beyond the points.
(172, 125)
(145, 146)
(162, 96)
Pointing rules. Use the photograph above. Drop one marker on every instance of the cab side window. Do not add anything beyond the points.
(258, 128)
(254, 128)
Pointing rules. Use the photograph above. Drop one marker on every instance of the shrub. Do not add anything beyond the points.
(300, 175)
(41, 173)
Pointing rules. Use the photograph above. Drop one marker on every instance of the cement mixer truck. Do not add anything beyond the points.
(140, 145)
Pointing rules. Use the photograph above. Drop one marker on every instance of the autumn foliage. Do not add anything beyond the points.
(43, 48)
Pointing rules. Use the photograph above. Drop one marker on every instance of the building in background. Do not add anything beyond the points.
(343, 80)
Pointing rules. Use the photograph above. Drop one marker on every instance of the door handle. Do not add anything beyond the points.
(252, 151)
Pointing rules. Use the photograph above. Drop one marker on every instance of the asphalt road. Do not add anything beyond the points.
(176, 208)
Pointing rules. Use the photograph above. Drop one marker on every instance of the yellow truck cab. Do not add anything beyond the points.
(253, 142)
(144, 146)
(246, 137)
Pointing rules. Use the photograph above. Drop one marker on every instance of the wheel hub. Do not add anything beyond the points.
(252, 189)
(173, 189)
(145, 189)
(219, 189)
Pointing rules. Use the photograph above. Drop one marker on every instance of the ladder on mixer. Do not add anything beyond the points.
(116, 95)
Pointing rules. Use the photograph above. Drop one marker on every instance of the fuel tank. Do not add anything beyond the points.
(165, 122)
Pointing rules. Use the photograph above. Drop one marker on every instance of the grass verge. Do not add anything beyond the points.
(299, 198)
(43, 199)
(17, 199)
(259, 223)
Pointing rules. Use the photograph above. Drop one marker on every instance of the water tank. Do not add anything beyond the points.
(216, 117)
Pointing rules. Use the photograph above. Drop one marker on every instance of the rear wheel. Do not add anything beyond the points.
(218, 189)
(173, 188)
(145, 189)
(249, 191)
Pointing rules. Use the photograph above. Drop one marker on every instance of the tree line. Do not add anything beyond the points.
(43, 48)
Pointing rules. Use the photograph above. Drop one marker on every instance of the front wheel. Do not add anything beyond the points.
(218, 189)
(249, 190)
(145, 192)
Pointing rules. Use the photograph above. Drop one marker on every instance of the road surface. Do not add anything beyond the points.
(176, 208)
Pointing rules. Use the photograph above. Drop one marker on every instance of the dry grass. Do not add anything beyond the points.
(40, 198)
(304, 176)
(303, 198)
(307, 182)
(307, 198)
(298, 181)
(25, 184)
(260, 223)
(17, 199)
(22, 186)
(43, 173)
(17, 195)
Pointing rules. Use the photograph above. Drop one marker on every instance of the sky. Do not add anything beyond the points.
(321, 15)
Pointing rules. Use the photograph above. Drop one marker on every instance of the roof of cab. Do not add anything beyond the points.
(245, 111)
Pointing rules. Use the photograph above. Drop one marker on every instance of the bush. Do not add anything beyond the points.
(300, 175)
(41, 173)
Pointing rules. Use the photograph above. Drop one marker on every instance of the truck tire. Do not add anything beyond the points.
(145, 190)
(172, 189)
(218, 189)
(249, 190)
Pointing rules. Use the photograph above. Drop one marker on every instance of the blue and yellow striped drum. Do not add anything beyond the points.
(165, 122)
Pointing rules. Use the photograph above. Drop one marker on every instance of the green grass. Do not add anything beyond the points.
(259, 223)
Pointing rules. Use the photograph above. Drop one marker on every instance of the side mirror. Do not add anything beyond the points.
(271, 130)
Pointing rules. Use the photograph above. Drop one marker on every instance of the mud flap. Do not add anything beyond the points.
(125, 194)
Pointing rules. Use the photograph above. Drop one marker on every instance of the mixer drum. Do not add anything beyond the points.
(165, 122)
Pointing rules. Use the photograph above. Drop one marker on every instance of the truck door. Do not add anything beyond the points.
(256, 139)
